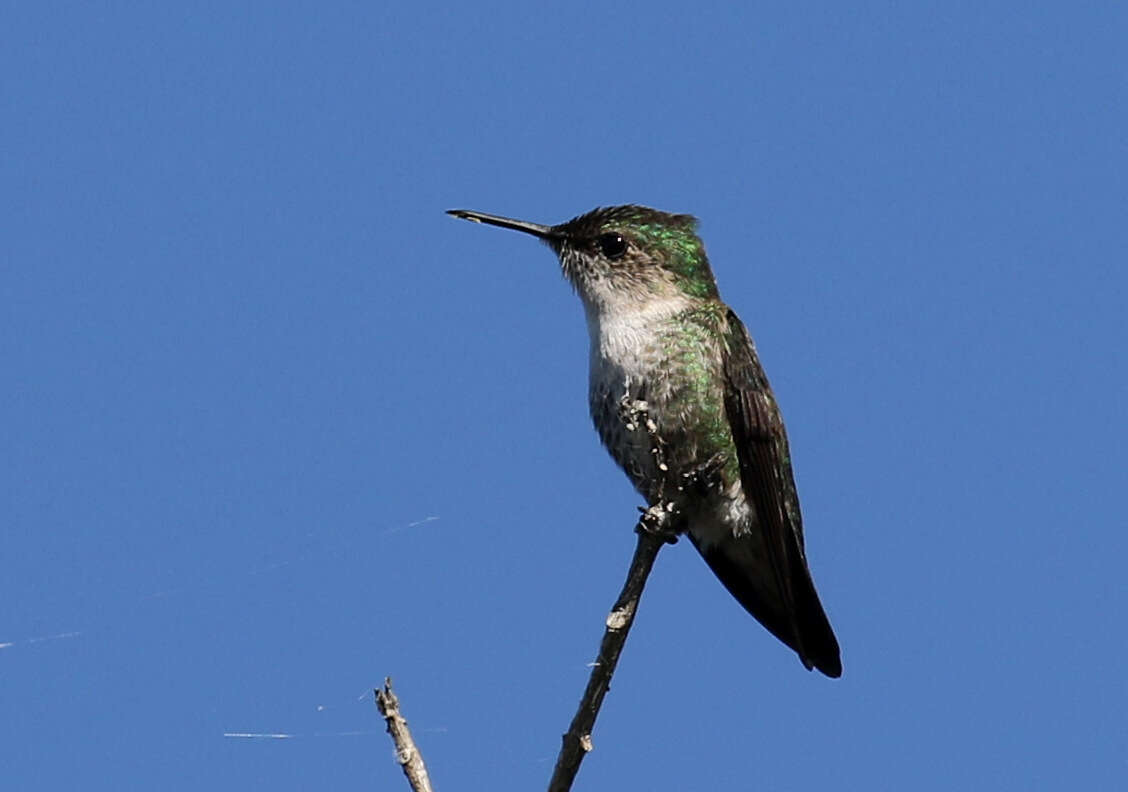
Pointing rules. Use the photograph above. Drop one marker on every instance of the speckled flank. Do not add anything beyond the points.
(689, 344)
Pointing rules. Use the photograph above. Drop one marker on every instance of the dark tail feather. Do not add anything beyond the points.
(806, 629)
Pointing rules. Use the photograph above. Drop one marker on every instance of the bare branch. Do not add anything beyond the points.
(577, 740)
(407, 754)
(660, 524)
(656, 528)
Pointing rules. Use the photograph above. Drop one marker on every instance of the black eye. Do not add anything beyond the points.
(613, 245)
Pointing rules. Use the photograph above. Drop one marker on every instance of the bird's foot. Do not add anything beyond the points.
(660, 520)
(704, 478)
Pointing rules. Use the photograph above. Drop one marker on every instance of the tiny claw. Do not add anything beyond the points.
(654, 521)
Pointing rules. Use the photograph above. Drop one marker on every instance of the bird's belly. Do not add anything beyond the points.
(712, 514)
(613, 394)
(633, 410)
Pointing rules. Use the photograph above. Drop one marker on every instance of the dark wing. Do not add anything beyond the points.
(796, 616)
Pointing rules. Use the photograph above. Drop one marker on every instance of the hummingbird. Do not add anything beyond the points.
(663, 341)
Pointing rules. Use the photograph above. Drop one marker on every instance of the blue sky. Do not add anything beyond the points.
(276, 427)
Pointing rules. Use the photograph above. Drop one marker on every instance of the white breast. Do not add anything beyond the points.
(623, 336)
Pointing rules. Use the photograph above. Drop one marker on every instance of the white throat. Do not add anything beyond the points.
(623, 332)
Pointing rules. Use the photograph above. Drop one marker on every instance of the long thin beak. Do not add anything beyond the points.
(547, 233)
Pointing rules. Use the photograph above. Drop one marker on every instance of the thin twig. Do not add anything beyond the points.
(407, 754)
(654, 530)
(577, 740)
(660, 524)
